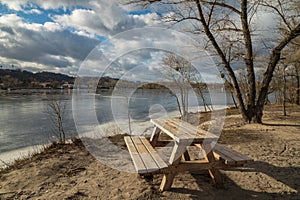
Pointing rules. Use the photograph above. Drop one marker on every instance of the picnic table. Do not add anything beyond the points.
(182, 135)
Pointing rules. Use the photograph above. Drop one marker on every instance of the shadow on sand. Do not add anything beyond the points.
(290, 176)
(269, 124)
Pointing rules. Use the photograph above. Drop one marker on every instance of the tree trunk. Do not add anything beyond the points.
(274, 59)
(233, 99)
(284, 92)
(225, 62)
(298, 87)
(205, 105)
(248, 60)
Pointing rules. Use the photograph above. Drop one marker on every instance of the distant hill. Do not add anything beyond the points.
(26, 76)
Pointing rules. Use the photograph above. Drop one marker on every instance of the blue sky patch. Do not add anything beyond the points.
(4, 10)
(42, 17)
(139, 12)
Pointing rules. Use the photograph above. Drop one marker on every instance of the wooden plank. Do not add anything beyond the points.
(195, 131)
(137, 160)
(148, 161)
(214, 173)
(181, 127)
(228, 154)
(180, 133)
(231, 156)
(188, 128)
(200, 132)
(221, 156)
(199, 165)
(178, 150)
(155, 136)
(167, 181)
(171, 130)
(160, 163)
(235, 155)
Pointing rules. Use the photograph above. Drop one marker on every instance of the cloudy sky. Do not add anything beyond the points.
(58, 35)
(64, 35)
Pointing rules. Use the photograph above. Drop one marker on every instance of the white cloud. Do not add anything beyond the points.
(13, 5)
(33, 11)
(151, 19)
(67, 40)
(19, 5)
(51, 26)
(82, 20)
(104, 19)
(41, 45)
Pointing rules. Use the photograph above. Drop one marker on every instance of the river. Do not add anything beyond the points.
(24, 119)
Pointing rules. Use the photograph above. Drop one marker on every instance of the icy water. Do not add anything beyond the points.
(24, 120)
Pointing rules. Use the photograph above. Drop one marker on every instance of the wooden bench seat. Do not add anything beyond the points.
(230, 156)
(144, 157)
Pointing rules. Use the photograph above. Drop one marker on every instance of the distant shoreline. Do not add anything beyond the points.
(30, 91)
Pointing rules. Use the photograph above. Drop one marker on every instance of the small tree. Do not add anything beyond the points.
(56, 110)
(178, 70)
(183, 75)
(199, 88)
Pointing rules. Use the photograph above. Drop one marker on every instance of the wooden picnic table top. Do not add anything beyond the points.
(180, 130)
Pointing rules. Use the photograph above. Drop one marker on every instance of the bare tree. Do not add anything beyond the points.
(56, 111)
(178, 70)
(292, 55)
(228, 26)
(184, 76)
(200, 87)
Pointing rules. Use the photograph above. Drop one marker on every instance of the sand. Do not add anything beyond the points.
(70, 172)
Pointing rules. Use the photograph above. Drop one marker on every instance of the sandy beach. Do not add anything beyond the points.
(70, 172)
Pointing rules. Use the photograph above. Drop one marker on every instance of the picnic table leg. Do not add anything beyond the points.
(186, 156)
(214, 173)
(167, 181)
(155, 136)
(178, 150)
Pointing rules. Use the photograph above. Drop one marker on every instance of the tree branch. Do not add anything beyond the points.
(223, 5)
(279, 13)
(274, 59)
(222, 56)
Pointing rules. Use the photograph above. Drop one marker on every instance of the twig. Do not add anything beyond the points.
(5, 163)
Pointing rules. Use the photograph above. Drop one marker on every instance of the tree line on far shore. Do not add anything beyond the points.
(17, 79)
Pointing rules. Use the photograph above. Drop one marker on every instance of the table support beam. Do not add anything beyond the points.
(214, 173)
(155, 136)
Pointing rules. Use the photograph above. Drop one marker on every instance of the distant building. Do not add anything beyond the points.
(67, 85)
(41, 84)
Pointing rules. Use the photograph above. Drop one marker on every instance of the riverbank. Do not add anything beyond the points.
(35, 91)
(70, 172)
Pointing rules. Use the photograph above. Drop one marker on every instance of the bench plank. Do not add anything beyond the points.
(159, 161)
(230, 156)
(137, 160)
(144, 156)
(148, 161)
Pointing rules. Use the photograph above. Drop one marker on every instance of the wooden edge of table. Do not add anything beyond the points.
(191, 132)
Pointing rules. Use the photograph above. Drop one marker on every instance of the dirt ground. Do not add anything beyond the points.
(70, 172)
